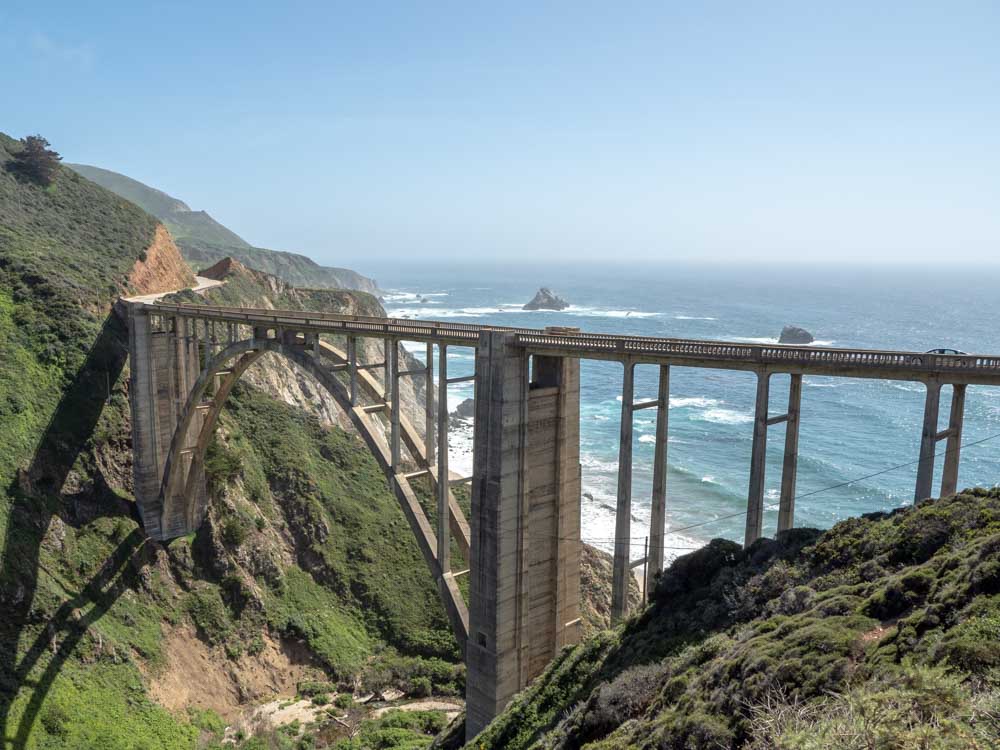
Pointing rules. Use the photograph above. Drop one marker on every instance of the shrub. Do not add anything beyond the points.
(344, 700)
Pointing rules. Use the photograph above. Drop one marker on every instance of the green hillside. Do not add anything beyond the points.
(204, 241)
(883, 632)
(304, 548)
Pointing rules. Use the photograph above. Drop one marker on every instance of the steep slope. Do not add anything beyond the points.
(101, 628)
(879, 633)
(204, 241)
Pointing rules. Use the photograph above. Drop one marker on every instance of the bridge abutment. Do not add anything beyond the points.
(525, 523)
(164, 364)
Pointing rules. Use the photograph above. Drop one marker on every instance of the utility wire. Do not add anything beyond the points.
(945, 452)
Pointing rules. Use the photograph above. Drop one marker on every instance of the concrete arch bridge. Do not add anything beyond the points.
(521, 544)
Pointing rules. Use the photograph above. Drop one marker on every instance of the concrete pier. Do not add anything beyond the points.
(789, 467)
(928, 441)
(658, 502)
(758, 461)
(621, 566)
(953, 449)
(524, 567)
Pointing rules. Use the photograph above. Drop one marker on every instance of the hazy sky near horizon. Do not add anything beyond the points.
(368, 131)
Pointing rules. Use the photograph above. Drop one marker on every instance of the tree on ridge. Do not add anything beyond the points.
(36, 160)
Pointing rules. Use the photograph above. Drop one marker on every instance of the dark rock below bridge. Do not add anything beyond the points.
(545, 299)
(795, 335)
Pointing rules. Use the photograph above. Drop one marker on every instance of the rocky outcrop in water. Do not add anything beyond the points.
(546, 299)
(795, 335)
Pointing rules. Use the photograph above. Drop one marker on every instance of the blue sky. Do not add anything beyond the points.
(741, 131)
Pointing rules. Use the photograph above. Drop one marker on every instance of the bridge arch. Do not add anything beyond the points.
(182, 482)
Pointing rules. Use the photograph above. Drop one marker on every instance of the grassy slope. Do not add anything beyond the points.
(204, 241)
(65, 254)
(183, 223)
(818, 640)
(83, 595)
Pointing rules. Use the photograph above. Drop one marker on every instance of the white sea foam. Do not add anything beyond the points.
(647, 438)
(724, 416)
(597, 519)
(700, 402)
(694, 317)
(757, 339)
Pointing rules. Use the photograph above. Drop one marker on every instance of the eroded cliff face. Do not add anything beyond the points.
(161, 268)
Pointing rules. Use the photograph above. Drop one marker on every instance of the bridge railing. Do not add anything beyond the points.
(585, 345)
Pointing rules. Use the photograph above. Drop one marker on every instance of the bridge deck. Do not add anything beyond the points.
(863, 363)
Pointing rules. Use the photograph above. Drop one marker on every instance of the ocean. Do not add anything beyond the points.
(850, 428)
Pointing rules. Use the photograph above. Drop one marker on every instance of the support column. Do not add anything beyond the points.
(443, 510)
(352, 365)
(949, 479)
(553, 496)
(658, 513)
(623, 511)
(396, 407)
(386, 374)
(789, 469)
(928, 442)
(525, 552)
(429, 405)
(495, 652)
(758, 458)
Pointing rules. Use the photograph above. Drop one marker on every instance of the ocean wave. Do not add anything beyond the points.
(647, 438)
(756, 339)
(700, 402)
(694, 317)
(723, 416)
(436, 313)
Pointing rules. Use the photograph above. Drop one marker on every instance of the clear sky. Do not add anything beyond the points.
(352, 131)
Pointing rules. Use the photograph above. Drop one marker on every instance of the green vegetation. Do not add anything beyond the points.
(36, 161)
(85, 598)
(396, 730)
(354, 548)
(204, 241)
(880, 633)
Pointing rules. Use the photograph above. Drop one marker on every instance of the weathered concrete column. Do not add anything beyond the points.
(443, 500)
(525, 523)
(789, 469)
(162, 370)
(952, 456)
(658, 512)
(429, 419)
(352, 366)
(392, 352)
(553, 490)
(623, 511)
(498, 566)
(928, 441)
(758, 459)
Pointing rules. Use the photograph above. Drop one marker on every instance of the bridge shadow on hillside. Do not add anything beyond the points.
(39, 494)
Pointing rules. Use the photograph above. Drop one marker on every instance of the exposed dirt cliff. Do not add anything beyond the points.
(160, 268)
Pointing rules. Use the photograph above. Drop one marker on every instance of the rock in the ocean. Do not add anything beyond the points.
(545, 299)
(466, 409)
(795, 335)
